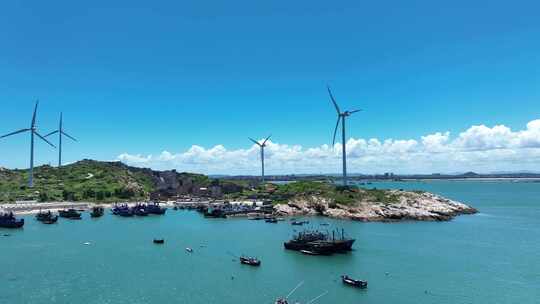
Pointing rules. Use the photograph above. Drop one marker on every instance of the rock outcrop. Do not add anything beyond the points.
(421, 206)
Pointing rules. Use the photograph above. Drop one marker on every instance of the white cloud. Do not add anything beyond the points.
(479, 148)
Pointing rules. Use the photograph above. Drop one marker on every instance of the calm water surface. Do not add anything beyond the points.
(491, 257)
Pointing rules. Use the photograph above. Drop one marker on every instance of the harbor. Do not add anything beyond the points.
(79, 256)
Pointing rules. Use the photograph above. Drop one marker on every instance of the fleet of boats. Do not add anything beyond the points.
(309, 242)
(138, 210)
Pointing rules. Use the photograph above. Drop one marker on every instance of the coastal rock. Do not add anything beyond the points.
(421, 206)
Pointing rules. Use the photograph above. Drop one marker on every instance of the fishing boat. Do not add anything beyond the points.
(159, 241)
(250, 261)
(122, 210)
(8, 220)
(354, 283)
(139, 210)
(154, 208)
(71, 214)
(97, 212)
(321, 243)
(46, 217)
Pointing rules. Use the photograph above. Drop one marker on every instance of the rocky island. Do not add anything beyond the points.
(408, 205)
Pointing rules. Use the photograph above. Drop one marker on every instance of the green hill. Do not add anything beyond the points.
(89, 180)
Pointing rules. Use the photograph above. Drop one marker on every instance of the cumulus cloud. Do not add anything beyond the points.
(480, 148)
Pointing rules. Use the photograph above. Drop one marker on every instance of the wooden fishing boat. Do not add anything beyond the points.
(354, 283)
(71, 214)
(97, 212)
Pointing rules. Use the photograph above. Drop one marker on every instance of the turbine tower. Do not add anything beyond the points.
(61, 133)
(341, 116)
(33, 131)
(262, 153)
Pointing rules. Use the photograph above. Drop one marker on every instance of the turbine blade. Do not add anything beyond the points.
(70, 137)
(354, 111)
(256, 142)
(53, 132)
(264, 142)
(34, 115)
(333, 100)
(45, 140)
(335, 131)
(16, 132)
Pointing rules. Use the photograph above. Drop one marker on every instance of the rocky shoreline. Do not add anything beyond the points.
(417, 206)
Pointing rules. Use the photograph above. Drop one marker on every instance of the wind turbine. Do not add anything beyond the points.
(33, 131)
(61, 133)
(262, 153)
(341, 116)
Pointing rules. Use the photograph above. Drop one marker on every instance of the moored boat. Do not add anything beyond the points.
(139, 210)
(97, 211)
(122, 210)
(8, 220)
(320, 243)
(354, 283)
(71, 214)
(154, 208)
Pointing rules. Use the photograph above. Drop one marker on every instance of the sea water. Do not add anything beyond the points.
(489, 257)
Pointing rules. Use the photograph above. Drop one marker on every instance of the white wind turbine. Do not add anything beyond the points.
(341, 116)
(262, 146)
(33, 131)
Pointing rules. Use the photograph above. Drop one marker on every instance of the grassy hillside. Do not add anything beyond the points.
(282, 193)
(85, 180)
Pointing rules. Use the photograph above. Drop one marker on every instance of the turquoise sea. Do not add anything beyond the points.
(491, 257)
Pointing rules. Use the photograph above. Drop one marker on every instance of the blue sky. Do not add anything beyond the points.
(139, 78)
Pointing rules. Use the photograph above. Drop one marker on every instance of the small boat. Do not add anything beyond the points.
(159, 241)
(71, 214)
(97, 212)
(46, 217)
(271, 220)
(154, 208)
(310, 252)
(324, 224)
(250, 261)
(122, 210)
(8, 220)
(189, 250)
(352, 282)
(139, 210)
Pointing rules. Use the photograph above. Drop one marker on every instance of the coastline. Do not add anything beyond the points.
(412, 206)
